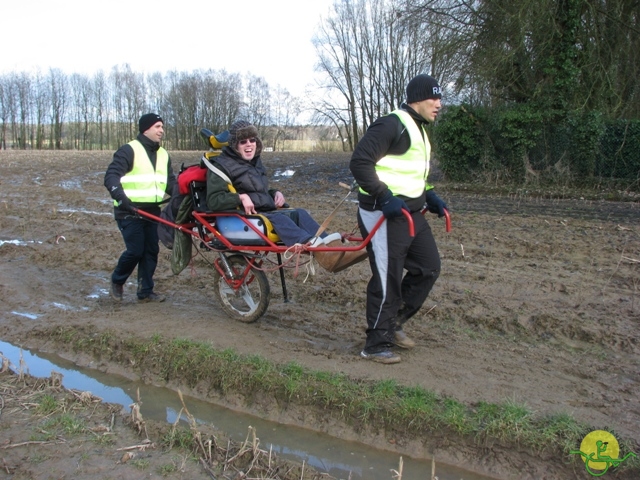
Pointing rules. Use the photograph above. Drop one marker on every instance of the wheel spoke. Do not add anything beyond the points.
(248, 298)
(226, 290)
(249, 301)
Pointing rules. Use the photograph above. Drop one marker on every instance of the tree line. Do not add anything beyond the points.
(532, 88)
(54, 110)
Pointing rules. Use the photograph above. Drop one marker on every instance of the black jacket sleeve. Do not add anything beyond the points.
(121, 163)
(375, 144)
(172, 181)
(387, 135)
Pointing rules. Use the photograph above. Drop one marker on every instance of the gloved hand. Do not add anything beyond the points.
(391, 205)
(126, 205)
(435, 203)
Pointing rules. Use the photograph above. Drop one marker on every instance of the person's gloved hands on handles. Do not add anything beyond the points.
(125, 204)
(435, 204)
(391, 205)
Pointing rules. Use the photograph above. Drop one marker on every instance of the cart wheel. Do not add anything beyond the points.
(249, 302)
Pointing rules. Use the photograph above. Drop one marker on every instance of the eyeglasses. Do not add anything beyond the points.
(247, 140)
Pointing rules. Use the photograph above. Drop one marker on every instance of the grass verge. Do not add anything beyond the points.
(387, 406)
(49, 431)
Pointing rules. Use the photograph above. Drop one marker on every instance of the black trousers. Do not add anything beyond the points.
(142, 249)
(393, 296)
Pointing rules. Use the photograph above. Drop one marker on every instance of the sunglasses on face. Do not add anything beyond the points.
(247, 140)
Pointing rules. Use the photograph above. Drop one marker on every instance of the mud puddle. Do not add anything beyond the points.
(339, 458)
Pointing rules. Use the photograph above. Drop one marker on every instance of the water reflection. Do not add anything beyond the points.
(20, 243)
(31, 316)
(84, 210)
(284, 173)
(341, 459)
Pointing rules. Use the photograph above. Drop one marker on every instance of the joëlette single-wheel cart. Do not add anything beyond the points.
(244, 242)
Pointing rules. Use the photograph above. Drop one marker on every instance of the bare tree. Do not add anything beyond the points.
(368, 51)
(182, 109)
(257, 106)
(330, 112)
(4, 110)
(24, 91)
(221, 99)
(42, 107)
(128, 97)
(156, 93)
(10, 108)
(82, 95)
(333, 45)
(285, 110)
(609, 47)
(101, 108)
(59, 89)
(556, 53)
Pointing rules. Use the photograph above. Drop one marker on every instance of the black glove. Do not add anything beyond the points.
(435, 203)
(126, 205)
(391, 205)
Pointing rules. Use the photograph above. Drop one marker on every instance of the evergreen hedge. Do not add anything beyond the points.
(520, 142)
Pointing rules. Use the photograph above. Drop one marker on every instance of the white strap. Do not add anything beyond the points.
(217, 171)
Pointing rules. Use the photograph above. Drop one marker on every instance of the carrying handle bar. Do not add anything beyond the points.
(447, 221)
(412, 232)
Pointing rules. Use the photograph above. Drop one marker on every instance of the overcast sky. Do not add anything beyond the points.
(268, 38)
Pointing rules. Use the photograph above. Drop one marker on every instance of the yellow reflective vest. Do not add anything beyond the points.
(406, 174)
(144, 184)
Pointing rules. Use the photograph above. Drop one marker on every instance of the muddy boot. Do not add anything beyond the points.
(337, 261)
(402, 340)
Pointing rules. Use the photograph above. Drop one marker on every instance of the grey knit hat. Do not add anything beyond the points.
(422, 87)
(241, 130)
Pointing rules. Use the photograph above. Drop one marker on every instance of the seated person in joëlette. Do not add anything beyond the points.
(241, 162)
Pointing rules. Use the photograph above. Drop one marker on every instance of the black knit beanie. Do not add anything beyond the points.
(148, 120)
(422, 87)
(241, 130)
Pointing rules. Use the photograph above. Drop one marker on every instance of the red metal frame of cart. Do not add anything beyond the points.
(236, 278)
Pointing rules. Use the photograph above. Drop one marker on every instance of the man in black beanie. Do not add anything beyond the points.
(137, 178)
(391, 165)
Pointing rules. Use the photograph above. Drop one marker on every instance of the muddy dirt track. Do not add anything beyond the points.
(538, 301)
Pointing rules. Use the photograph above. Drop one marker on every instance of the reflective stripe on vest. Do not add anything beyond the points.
(406, 174)
(143, 184)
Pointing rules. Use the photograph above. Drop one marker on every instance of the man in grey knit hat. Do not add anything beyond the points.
(391, 165)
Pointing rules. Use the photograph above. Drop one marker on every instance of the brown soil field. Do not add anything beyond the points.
(538, 301)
